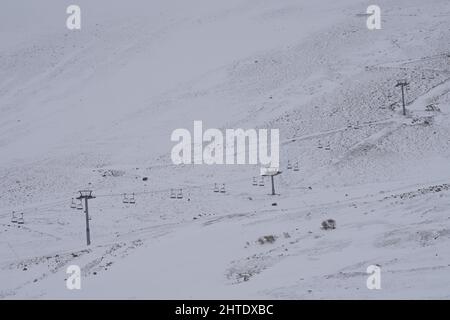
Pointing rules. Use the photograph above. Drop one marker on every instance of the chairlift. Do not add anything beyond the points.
(80, 205)
(125, 198)
(172, 194)
(320, 145)
(261, 182)
(73, 204)
(216, 188)
(222, 190)
(180, 194)
(296, 168)
(13, 218)
(289, 165)
(255, 182)
(20, 220)
(132, 200)
(328, 147)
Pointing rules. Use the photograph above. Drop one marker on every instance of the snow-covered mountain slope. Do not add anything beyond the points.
(96, 108)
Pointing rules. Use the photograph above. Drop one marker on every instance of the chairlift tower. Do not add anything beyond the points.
(270, 172)
(86, 195)
(402, 83)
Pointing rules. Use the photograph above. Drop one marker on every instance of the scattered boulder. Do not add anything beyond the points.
(329, 224)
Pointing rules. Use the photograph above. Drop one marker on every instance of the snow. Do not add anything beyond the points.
(97, 107)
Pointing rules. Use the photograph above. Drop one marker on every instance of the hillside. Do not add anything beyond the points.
(95, 108)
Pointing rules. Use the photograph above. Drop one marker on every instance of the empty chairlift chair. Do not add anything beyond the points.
(296, 168)
(255, 182)
(125, 198)
(222, 190)
(180, 194)
(261, 182)
(80, 205)
(20, 220)
(216, 188)
(73, 205)
(172, 194)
